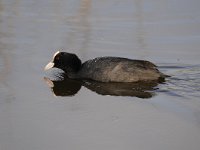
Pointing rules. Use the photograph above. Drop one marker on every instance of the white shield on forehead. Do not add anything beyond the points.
(56, 54)
(51, 64)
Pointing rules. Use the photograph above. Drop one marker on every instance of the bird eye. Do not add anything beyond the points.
(57, 58)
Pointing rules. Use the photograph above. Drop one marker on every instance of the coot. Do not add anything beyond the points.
(106, 69)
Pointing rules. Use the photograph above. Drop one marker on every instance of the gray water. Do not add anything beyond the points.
(32, 117)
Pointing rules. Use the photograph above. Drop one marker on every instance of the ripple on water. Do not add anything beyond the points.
(184, 81)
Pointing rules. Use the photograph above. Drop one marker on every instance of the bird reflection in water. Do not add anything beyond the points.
(69, 87)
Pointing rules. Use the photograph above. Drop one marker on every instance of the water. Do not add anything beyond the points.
(164, 32)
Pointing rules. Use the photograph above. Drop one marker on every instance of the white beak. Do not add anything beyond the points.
(49, 66)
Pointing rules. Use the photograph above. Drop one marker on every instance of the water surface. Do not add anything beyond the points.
(164, 32)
